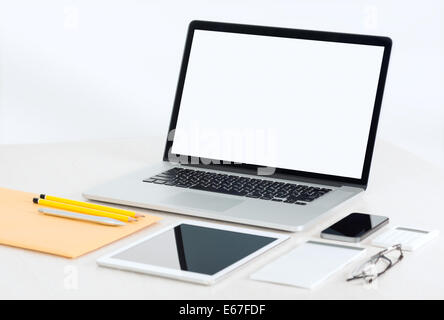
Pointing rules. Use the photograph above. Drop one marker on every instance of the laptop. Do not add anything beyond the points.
(271, 127)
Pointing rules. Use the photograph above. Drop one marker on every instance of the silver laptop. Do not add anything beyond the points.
(270, 127)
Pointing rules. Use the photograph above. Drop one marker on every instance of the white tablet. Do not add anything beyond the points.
(193, 251)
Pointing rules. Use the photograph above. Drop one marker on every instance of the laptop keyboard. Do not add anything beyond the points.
(239, 186)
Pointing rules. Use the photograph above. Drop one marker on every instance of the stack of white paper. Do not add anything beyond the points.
(308, 264)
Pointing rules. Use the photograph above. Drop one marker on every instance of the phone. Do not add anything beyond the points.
(355, 227)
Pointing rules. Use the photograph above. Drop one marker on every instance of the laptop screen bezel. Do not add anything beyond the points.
(286, 33)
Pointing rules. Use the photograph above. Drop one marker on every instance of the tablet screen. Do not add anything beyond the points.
(195, 248)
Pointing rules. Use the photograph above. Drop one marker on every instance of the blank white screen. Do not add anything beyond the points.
(286, 103)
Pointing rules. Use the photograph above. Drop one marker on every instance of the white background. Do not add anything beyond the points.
(284, 103)
(79, 70)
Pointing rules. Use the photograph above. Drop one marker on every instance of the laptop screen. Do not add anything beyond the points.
(287, 103)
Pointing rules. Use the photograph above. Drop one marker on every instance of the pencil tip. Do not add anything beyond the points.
(131, 219)
(42, 196)
(139, 215)
(35, 200)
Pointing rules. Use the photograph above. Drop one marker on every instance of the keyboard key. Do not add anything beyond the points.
(252, 196)
(162, 178)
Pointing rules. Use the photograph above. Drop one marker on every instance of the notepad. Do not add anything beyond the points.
(409, 238)
(309, 264)
(21, 225)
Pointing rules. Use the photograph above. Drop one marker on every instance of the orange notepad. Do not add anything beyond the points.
(21, 225)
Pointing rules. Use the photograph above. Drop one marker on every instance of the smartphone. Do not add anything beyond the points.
(355, 227)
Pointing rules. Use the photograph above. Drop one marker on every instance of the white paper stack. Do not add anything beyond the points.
(309, 264)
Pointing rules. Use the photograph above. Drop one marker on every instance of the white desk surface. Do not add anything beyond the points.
(403, 187)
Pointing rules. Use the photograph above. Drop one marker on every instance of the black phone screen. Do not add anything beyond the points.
(355, 225)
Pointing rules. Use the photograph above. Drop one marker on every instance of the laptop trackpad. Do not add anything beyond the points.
(202, 201)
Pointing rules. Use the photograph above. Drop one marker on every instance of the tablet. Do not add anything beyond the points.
(193, 251)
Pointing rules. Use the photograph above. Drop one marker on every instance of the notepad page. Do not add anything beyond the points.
(409, 238)
(308, 265)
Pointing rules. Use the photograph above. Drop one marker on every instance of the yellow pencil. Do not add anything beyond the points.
(70, 207)
(92, 206)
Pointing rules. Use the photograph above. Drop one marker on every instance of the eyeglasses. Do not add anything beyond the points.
(378, 264)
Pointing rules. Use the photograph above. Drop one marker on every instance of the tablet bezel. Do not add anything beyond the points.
(108, 260)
